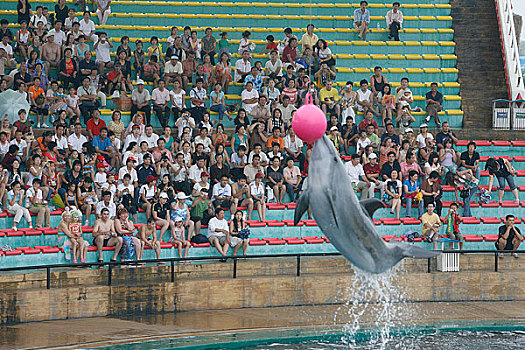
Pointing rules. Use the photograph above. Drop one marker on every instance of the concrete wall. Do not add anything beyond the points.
(83, 293)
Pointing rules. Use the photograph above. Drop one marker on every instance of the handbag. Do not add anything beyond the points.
(199, 239)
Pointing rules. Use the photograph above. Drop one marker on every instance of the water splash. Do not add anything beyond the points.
(375, 307)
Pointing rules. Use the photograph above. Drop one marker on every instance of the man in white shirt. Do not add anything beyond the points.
(140, 97)
(249, 97)
(60, 36)
(294, 147)
(274, 66)
(357, 176)
(197, 169)
(87, 26)
(38, 17)
(21, 144)
(394, 21)
(61, 140)
(7, 59)
(286, 109)
(108, 204)
(219, 232)
(76, 140)
(161, 99)
(173, 70)
(150, 137)
(198, 101)
(364, 98)
(129, 168)
(102, 49)
(222, 194)
(243, 67)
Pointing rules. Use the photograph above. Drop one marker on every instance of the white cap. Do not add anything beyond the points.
(178, 219)
(181, 195)
(372, 156)
(163, 195)
(140, 81)
(409, 130)
(334, 128)
(424, 125)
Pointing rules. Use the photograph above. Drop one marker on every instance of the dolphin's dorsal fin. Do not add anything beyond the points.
(371, 205)
(302, 205)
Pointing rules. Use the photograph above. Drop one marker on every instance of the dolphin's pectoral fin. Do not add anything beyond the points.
(411, 251)
(302, 205)
(332, 206)
(371, 205)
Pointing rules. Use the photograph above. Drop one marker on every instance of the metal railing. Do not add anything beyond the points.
(171, 261)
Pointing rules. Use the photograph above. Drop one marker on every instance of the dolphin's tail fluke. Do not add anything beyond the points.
(411, 251)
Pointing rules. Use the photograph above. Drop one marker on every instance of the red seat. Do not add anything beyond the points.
(50, 232)
(275, 223)
(519, 158)
(289, 238)
(447, 188)
(446, 204)
(490, 205)
(484, 172)
(32, 251)
(50, 250)
(165, 245)
(269, 239)
(325, 239)
(387, 238)
(473, 238)
(2, 234)
(41, 247)
(296, 241)
(200, 245)
(501, 143)
(290, 223)
(509, 204)
(462, 142)
(92, 248)
(276, 242)
(391, 221)
(15, 233)
(376, 222)
(87, 229)
(57, 211)
(520, 172)
(33, 233)
(518, 143)
(490, 238)
(290, 205)
(256, 241)
(253, 223)
(521, 188)
(410, 221)
(3, 215)
(14, 252)
(310, 222)
(105, 249)
(483, 143)
(471, 220)
(346, 158)
(491, 220)
(275, 206)
(315, 241)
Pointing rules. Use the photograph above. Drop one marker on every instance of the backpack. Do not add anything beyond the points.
(199, 239)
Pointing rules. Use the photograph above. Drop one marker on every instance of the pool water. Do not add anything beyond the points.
(486, 336)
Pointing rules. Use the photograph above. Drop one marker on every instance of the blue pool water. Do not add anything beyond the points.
(464, 337)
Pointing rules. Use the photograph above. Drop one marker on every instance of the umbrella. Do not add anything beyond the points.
(10, 103)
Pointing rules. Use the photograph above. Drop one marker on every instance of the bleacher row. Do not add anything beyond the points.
(425, 54)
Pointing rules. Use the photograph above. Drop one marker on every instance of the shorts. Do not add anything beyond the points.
(455, 235)
(221, 239)
(104, 244)
(510, 181)
(234, 241)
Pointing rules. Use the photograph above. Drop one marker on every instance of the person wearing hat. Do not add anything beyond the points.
(180, 209)
(160, 211)
(423, 135)
(201, 209)
(173, 70)
(147, 194)
(362, 19)
(140, 98)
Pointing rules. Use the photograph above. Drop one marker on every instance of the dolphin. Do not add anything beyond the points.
(346, 221)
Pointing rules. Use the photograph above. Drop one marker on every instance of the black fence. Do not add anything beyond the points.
(171, 262)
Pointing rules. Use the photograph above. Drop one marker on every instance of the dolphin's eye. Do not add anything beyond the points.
(335, 159)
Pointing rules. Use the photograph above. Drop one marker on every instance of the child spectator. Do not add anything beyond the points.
(453, 220)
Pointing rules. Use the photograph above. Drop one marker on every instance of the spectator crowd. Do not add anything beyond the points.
(185, 175)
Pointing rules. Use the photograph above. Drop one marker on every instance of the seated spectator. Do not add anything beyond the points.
(394, 190)
(391, 133)
(323, 75)
(431, 224)
(404, 120)
(243, 67)
(95, 124)
(292, 179)
(51, 53)
(362, 20)
(70, 238)
(274, 66)
(394, 21)
(218, 232)
(372, 136)
(364, 99)
(290, 91)
(249, 97)
(362, 142)
(445, 134)
(509, 236)
(453, 219)
(408, 165)
(147, 194)
(217, 102)
(377, 84)
(161, 100)
(433, 164)
(239, 233)
(423, 135)
(222, 71)
(470, 159)
(103, 11)
(334, 135)
(124, 228)
(403, 96)
(152, 71)
(219, 169)
(38, 103)
(324, 54)
(144, 233)
(222, 194)
(181, 173)
(15, 199)
(372, 173)
(140, 59)
(87, 27)
(257, 192)
(448, 157)
(275, 179)
(102, 48)
(238, 162)
(434, 100)
(104, 235)
(160, 211)
(87, 96)
(290, 53)
(503, 171)
(261, 112)
(242, 196)
(294, 148)
(411, 189)
(254, 78)
(201, 209)
(287, 110)
(432, 191)
(329, 99)
(198, 101)
(254, 168)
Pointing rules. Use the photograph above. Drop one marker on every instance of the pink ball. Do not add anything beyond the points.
(309, 123)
